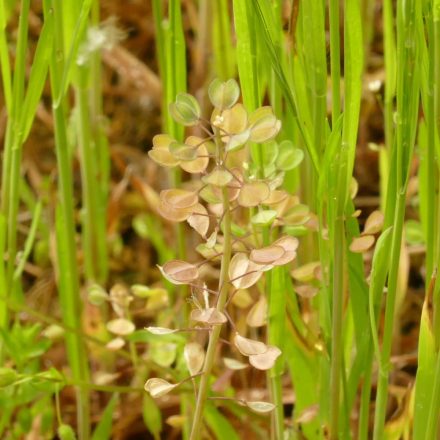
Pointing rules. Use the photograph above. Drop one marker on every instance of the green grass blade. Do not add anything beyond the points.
(264, 20)
(103, 429)
(219, 424)
(276, 329)
(425, 375)
(407, 110)
(37, 77)
(4, 58)
(30, 239)
(65, 233)
(76, 37)
(224, 55)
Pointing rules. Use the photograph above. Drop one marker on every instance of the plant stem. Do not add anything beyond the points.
(337, 315)
(215, 333)
(69, 291)
(13, 147)
(94, 245)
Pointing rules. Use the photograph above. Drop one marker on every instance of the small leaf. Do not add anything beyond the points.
(264, 218)
(234, 364)
(374, 223)
(199, 219)
(209, 316)
(261, 407)
(161, 330)
(185, 110)
(120, 327)
(194, 357)
(361, 244)
(265, 361)
(249, 347)
(179, 272)
(253, 194)
(223, 94)
(289, 157)
(152, 416)
(158, 387)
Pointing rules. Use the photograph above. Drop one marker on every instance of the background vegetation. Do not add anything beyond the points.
(356, 315)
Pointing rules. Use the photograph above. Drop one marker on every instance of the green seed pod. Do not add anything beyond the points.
(66, 432)
(185, 110)
(97, 295)
(224, 94)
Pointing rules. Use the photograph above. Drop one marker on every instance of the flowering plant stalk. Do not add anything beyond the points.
(215, 206)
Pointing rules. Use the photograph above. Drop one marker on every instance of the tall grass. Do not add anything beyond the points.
(335, 313)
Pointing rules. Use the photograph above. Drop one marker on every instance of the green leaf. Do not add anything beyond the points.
(219, 424)
(37, 76)
(104, 428)
(152, 416)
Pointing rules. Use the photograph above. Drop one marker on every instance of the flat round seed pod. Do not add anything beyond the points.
(172, 214)
(266, 360)
(362, 244)
(158, 387)
(178, 198)
(253, 194)
(249, 347)
(209, 316)
(179, 272)
(267, 255)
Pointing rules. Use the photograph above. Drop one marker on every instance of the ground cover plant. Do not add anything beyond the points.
(220, 219)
